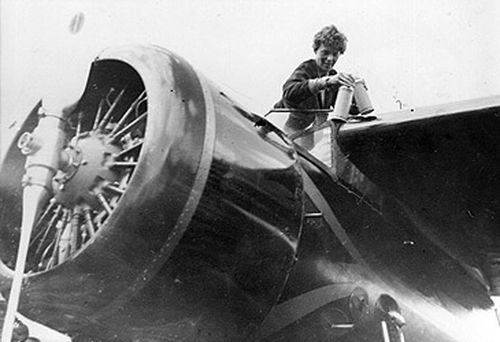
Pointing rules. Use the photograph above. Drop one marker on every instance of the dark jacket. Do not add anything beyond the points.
(297, 95)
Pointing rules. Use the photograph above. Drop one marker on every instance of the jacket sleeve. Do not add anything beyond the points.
(296, 89)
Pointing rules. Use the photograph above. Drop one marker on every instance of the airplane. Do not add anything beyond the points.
(156, 208)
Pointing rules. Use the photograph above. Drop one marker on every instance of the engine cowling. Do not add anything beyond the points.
(164, 185)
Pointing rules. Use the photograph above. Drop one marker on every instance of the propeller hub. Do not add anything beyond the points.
(87, 168)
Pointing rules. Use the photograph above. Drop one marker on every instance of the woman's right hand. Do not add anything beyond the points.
(340, 79)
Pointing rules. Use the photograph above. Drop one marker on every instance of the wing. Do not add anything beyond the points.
(442, 163)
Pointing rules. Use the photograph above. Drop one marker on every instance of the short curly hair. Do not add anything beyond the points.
(330, 37)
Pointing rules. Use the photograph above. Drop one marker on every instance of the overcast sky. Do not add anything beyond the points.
(420, 52)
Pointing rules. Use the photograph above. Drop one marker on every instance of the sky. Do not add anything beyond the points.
(411, 53)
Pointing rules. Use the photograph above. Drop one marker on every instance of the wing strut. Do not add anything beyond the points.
(320, 202)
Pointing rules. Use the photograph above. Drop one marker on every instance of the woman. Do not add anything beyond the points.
(314, 83)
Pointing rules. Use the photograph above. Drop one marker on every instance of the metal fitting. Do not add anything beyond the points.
(28, 144)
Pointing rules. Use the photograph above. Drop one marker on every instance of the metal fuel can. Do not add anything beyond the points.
(343, 102)
(361, 97)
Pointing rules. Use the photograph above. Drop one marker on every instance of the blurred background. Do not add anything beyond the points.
(411, 53)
